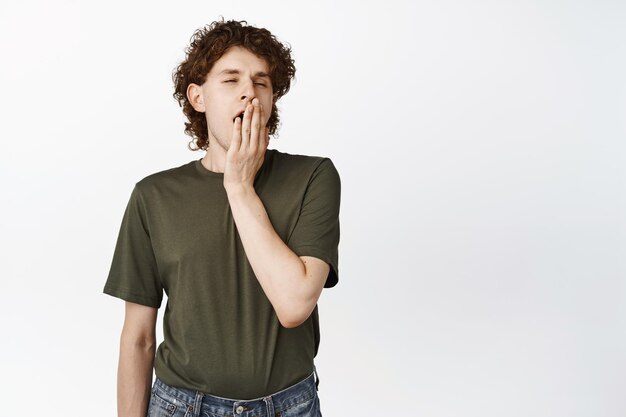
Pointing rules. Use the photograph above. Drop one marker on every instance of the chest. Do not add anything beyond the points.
(197, 226)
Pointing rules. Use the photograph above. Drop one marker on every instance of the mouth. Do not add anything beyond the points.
(240, 115)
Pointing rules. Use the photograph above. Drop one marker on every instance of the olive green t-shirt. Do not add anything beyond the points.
(221, 334)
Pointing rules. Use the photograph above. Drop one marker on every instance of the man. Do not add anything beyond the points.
(242, 241)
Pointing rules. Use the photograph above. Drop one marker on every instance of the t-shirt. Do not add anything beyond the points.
(178, 235)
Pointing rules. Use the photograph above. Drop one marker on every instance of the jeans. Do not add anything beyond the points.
(298, 400)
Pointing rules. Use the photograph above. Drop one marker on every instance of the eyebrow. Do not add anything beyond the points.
(237, 72)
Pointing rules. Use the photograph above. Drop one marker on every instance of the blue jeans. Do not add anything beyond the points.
(298, 400)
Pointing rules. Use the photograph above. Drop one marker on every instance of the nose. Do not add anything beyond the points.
(247, 95)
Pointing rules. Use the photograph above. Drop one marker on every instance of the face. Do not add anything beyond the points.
(234, 80)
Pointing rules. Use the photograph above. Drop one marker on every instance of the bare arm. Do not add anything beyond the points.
(137, 349)
(292, 283)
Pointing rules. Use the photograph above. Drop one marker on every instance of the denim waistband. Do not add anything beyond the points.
(273, 404)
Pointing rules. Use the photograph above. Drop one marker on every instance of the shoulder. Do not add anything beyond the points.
(306, 165)
(310, 175)
(165, 178)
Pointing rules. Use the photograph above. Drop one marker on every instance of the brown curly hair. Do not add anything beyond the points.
(207, 45)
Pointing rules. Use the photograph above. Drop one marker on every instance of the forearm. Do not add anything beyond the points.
(279, 270)
(134, 378)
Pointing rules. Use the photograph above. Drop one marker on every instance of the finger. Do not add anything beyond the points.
(255, 132)
(263, 140)
(235, 143)
(245, 127)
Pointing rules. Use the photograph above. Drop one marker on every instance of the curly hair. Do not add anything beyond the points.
(207, 45)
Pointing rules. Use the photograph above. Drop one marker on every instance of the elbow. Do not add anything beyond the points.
(290, 318)
(147, 344)
(131, 339)
(290, 323)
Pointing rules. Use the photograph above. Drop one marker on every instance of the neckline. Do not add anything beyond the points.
(201, 169)
(205, 172)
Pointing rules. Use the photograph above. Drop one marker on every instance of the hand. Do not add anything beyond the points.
(247, 148)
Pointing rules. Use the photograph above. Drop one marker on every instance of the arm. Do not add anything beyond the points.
(137, 349)
(293, 284)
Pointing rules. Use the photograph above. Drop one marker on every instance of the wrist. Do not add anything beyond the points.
(238, 190)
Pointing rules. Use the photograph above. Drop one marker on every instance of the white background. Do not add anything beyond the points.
(481, 147)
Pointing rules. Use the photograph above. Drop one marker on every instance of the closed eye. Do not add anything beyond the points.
(234, 81)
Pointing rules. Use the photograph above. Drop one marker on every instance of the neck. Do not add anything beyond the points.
(215, 157)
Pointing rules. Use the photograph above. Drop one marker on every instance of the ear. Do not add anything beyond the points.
(194, 95)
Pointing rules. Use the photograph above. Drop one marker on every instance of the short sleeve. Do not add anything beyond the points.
(316, 232)
(133, 275)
